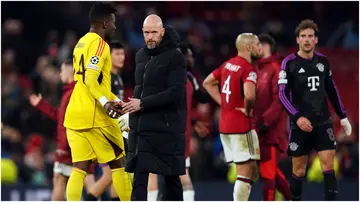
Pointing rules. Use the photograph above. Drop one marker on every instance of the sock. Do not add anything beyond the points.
(242, 188)
(90, 197)
(330, 188)
(75, 185)
(115, 199)
(268, 189)
(296, 187)
(189, 195)
(121, 183)
(282, 185)
(152, 195)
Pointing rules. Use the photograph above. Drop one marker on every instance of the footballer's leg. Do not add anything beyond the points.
(81, 153)
(59, 184)
(113, 194)
(108, 145)
(101, 185)
(153, 189)
(89, 182)
(188, 189)
(243, 150)
(121, 180)
(299, 148)
(325, 146)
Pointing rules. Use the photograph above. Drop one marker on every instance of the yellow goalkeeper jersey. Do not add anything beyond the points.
(92, 75)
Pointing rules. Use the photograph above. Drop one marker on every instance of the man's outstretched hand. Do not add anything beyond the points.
(114, 109)
(132, 106)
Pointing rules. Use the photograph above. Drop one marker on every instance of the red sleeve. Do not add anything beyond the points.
(217, 73)
(61, 133)
(47, 109)
(272, 114)
(249, 74)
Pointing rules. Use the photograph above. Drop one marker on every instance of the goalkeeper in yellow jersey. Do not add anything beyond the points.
(91, 116)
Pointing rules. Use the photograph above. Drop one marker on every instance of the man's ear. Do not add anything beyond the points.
(105, 24)
(163, 32)
(248, 47)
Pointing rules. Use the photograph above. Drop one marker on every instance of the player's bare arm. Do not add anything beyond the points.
(211, 85)
(250, 96)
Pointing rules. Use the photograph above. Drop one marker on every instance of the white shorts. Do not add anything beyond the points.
(63, 169)
(240, 148)
(187, 162)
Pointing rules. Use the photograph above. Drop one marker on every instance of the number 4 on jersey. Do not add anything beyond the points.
(226, 89)
(81, 70)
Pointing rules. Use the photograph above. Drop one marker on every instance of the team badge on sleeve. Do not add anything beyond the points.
(252, 76)
(282, 77)
(94, 60)
(282, 74)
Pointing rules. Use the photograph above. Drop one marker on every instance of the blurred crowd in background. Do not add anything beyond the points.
(38, 36)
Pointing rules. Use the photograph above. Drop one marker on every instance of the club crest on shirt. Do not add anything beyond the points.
(320, 67)
(94, 60)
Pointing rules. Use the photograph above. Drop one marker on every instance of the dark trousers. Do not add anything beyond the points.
(173, 192)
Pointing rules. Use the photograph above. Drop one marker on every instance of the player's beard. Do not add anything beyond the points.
(151, 44)
(108, 38)
(255, 57)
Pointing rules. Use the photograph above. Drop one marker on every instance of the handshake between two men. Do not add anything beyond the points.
(120, 110)
(117, 108)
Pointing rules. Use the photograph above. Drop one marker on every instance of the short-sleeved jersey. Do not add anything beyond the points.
(232, 75)
(303, 88)
(91, 53)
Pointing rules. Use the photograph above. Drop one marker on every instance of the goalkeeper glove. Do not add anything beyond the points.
(346, 125)
(124, 124)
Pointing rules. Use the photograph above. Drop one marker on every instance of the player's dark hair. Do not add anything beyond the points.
(115, 45)
(68, 62)
(307, 24)
(101, 11)
(266, 38)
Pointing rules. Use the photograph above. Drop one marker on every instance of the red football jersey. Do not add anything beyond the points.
(232, 75)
